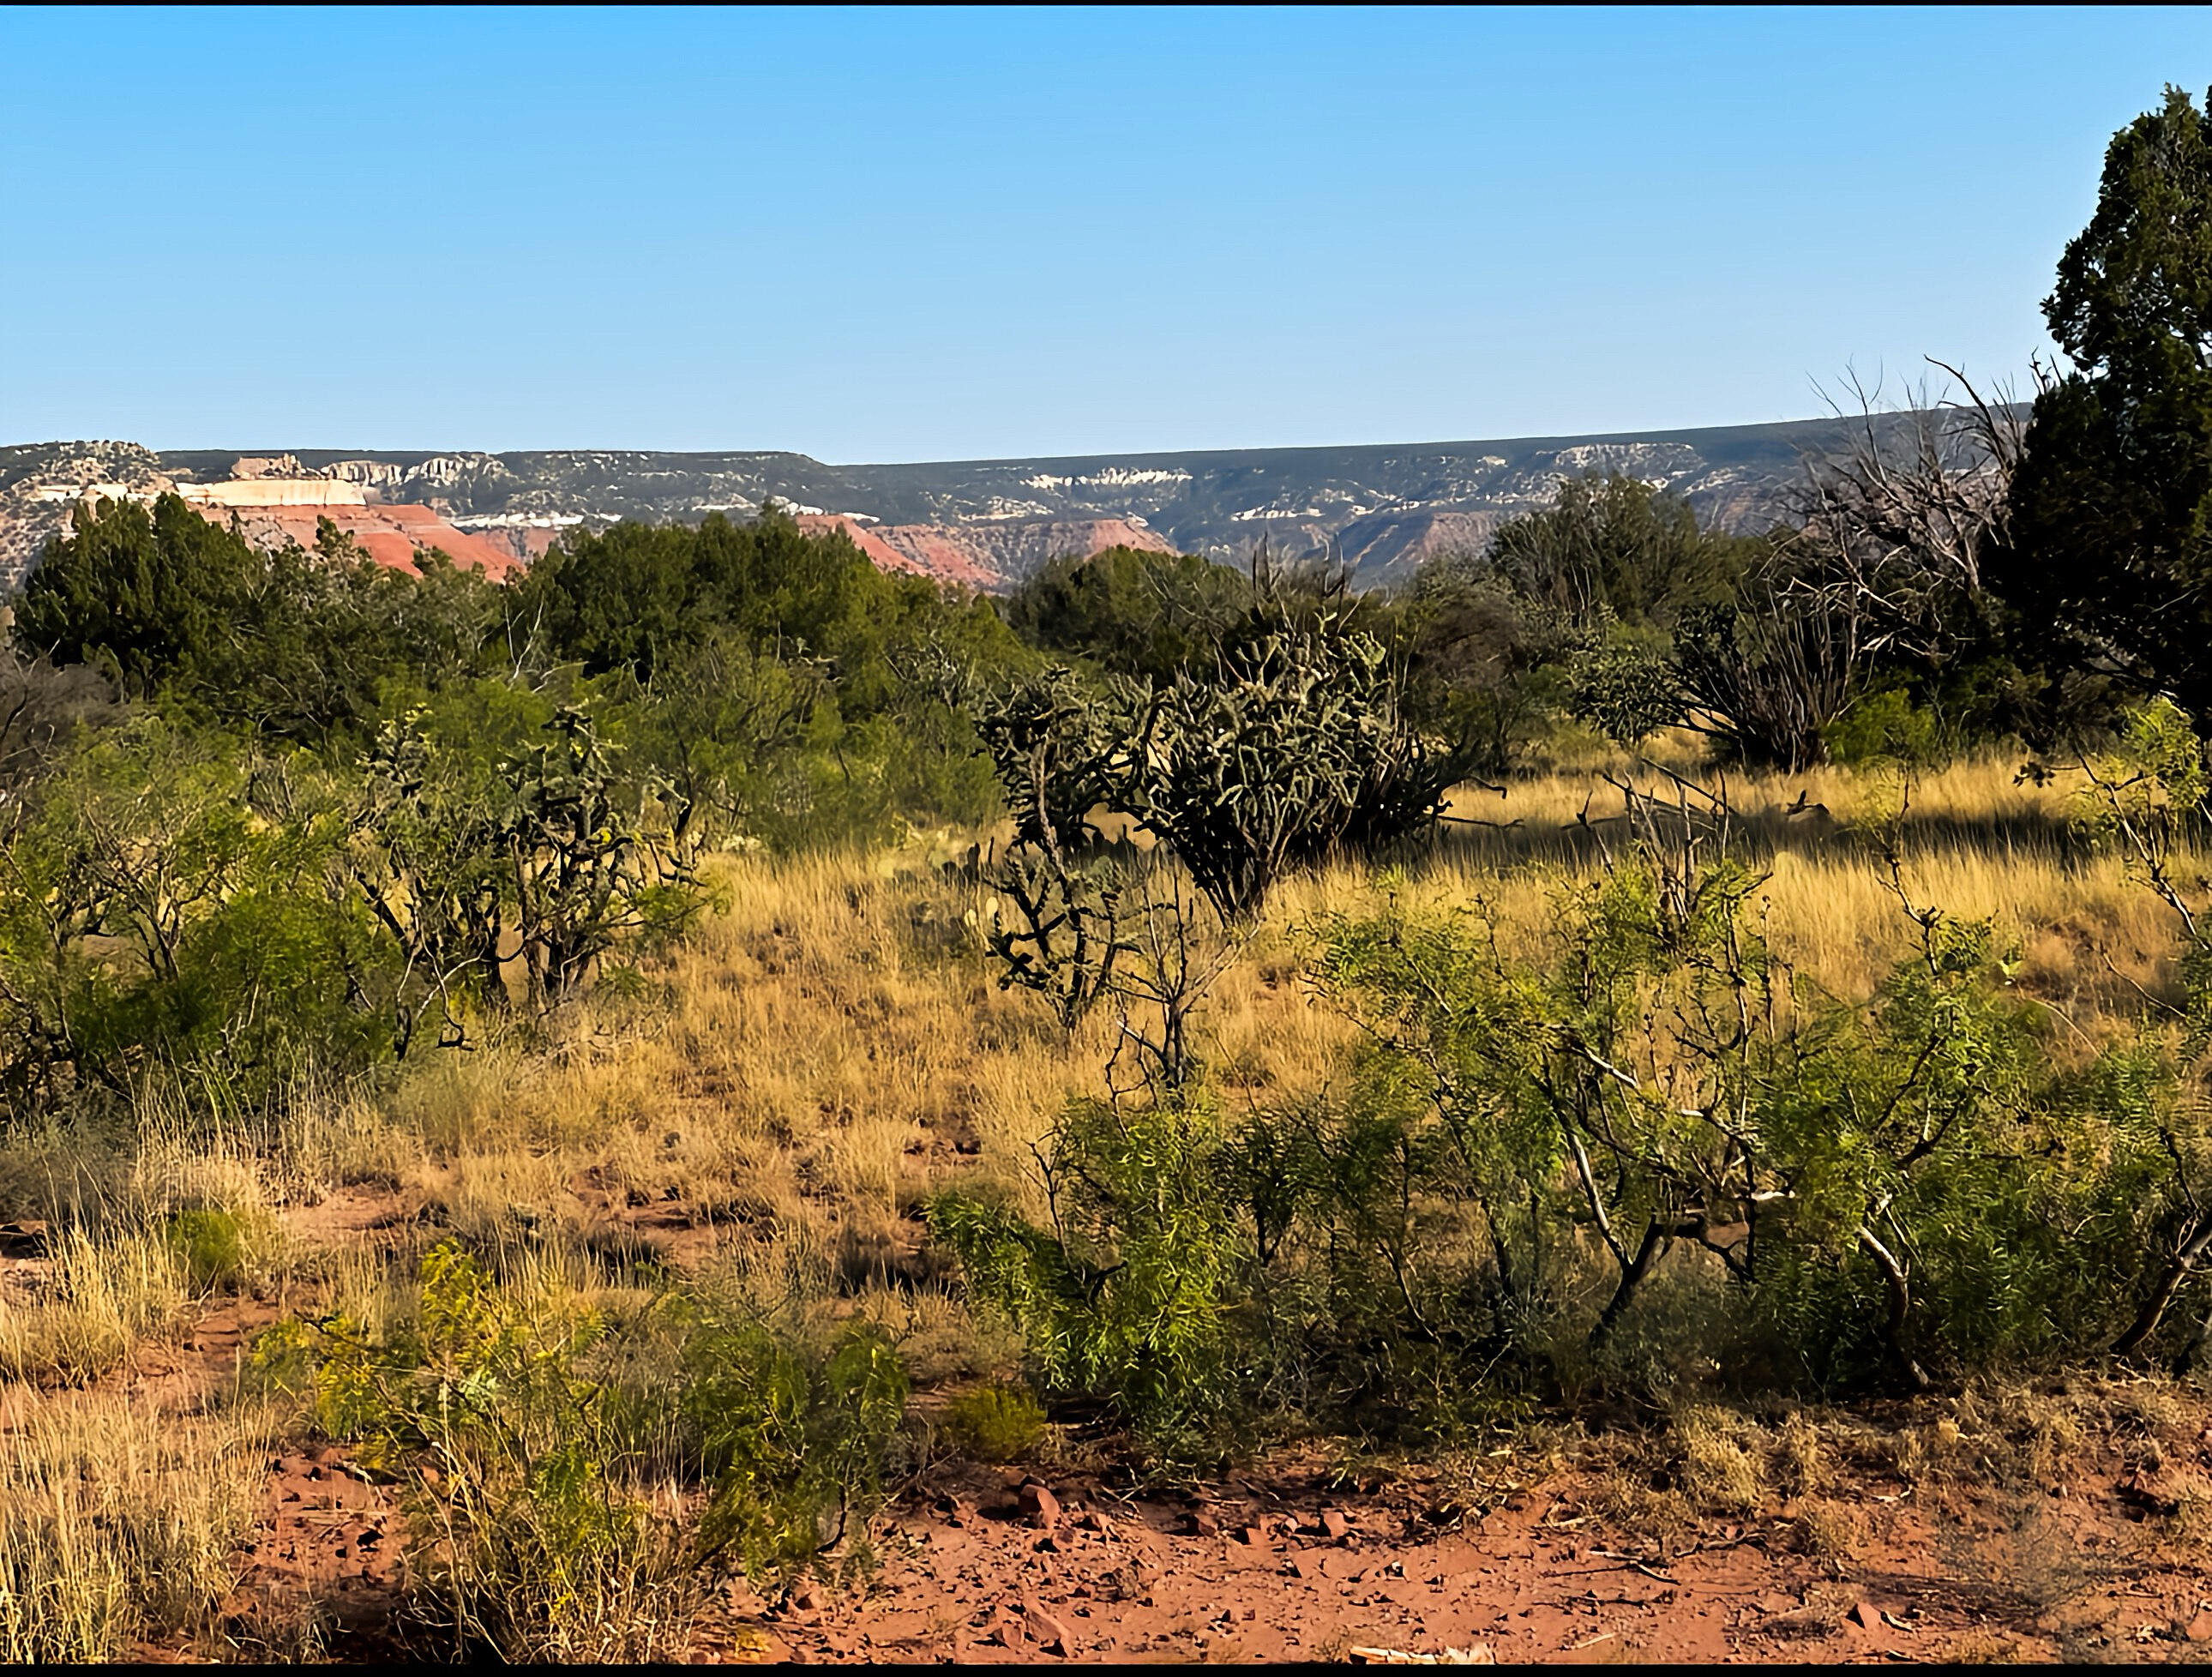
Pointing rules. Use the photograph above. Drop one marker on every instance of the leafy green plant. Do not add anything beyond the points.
(1126, 1294)
(1884, 1182)
(163, 907)
(995, 1423)
(548, 1447)
(1882, 727)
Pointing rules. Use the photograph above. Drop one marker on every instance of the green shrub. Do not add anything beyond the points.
(547, 1449)
(216, 1247)
(1884, 727)
(995, 1423)
(1129, 1296)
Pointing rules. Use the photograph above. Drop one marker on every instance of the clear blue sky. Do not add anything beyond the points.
(920, 236)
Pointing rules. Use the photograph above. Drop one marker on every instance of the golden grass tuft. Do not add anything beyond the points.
(118, 1523)
(97, 1301)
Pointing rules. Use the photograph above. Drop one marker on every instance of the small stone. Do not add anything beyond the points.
(2200, 1628)
(1038, 1505)
(1047, 1632)
(1333, 1526)
(807, 1598)
(1203, 1524)
(1862, 1616)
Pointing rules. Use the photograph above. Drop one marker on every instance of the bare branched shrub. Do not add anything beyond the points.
(1894, 524)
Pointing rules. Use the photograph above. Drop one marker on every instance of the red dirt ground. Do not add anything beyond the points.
(968, 1576)
(1300, 1558)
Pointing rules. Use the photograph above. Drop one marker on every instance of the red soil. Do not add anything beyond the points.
(1282, 1565)
(1305, 1557)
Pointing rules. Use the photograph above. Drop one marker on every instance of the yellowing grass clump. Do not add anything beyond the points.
(117, 1523)
(100, 1299)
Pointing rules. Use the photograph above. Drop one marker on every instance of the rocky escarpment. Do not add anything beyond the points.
(1005, 551)
(42, 484)
(272, 501)
(1381, 509)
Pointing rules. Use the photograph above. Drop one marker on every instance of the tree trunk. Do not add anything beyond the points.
(2154, 1310)
(1647, 1253)
(1900, 1306)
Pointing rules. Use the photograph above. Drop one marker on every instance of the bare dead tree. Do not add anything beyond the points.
(1896, 522)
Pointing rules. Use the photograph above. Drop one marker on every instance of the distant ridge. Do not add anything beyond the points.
(1382, 507)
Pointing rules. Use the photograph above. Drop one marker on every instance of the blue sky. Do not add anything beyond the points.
(949, 234)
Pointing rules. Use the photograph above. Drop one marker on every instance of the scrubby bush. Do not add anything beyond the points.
(1130, 612)
(1640, 1151)
(1883, 727)
(1127, 1295)
(995, 1423)
(548, 1447)
(1293, 742)
(163, 906)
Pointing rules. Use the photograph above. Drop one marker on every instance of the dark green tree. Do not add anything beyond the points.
(292, 644)
(2110, 551)
(1616, 544)
(1134, 612)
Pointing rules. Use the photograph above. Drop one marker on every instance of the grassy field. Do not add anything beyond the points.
(767, 1122)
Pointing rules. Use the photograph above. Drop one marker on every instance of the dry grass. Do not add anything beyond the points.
(119, 1267)
(1828, 1530)
(99, 1300)
(117, 1524)
(833, 1049)
(1722, 1469)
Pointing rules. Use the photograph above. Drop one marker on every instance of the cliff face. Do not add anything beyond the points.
(394, 535)
(990, 556)
(1383, 508)
(272, 501)
(41, 484)
(1000, 553)
(986, 524)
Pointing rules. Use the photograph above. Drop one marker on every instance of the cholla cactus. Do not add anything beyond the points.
(1294, 744)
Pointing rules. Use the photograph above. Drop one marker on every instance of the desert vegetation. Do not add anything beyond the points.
(646, 1067)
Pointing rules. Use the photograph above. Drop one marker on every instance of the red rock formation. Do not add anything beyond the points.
(885, 556)
(1000, 553)
(393, 536)
(523, 543)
